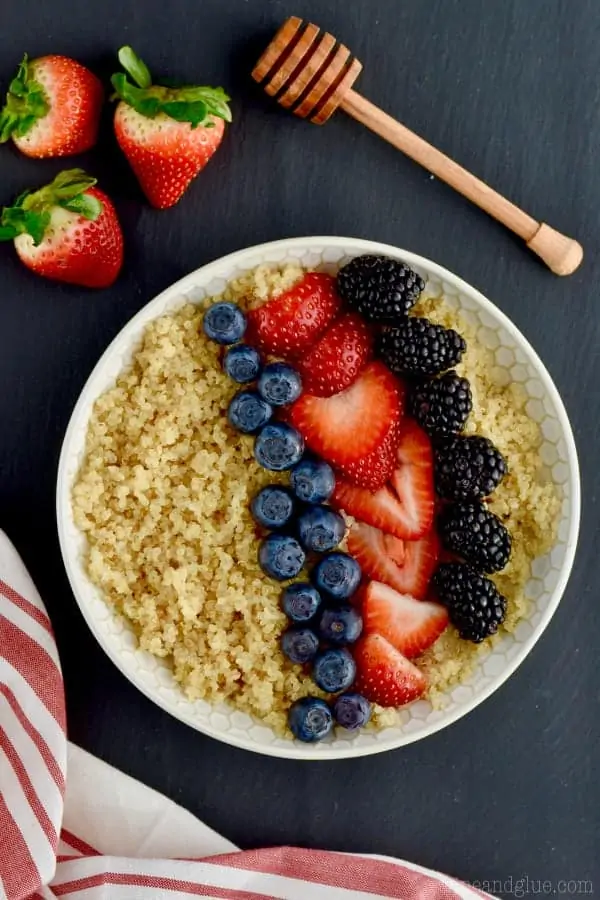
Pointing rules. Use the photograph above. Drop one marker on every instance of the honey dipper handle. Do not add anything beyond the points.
(560, 253)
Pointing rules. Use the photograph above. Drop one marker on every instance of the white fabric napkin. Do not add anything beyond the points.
(72, 826)
(121, 817)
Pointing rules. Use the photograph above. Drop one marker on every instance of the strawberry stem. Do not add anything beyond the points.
(135, 67)
(26, 102)
(32, 211)
(187, 103)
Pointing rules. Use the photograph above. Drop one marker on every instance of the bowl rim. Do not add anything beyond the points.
(87, 397)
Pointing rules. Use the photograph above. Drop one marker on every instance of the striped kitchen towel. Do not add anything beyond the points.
(96, 834)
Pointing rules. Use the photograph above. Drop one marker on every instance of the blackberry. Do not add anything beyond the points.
(378, 288)
(475, 606)
(418, 347)
(441, 406)
(467, 468)
(475, 534)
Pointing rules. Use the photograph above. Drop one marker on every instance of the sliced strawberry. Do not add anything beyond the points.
(385, 676)
(411, 626)
(415, 446)
(380, 556)
(407, 511)
(373, 470)
(338, 358)
(350, 430)
(289, 324)
(408, 570)
(381, 508)
(419, 565)
(412, 481)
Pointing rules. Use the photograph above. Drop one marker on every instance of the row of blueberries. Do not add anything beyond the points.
(319, 627)
(333, 668)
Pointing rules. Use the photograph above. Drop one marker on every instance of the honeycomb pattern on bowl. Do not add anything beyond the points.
(515, 360)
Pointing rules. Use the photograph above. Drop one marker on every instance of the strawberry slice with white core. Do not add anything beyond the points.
(385, 676)
(347, 427)
(381, 508)
(412, 481)
(406, 566)
(405, 507)
(410, 625)
(289, 325)
(380, 555)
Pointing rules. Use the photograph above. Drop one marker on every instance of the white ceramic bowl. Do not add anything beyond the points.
(513, 355)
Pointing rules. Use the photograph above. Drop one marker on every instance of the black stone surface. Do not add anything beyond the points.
(511, 90)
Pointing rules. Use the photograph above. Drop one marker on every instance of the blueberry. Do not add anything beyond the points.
(300, 601)
(248, 411)
(278, 446)
(340, 626)
(310, 719)
(321, 528)
(337, 574)
(281, 556)
(273, 507)
(351, 711)
(334, 670)
(242, 363)
(312, 480)
(299, 644)
(224, 323)
(279, 384)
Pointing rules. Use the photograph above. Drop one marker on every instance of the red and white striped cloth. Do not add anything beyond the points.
(100, 835)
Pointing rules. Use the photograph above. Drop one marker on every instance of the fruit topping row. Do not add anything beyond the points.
(359, 401)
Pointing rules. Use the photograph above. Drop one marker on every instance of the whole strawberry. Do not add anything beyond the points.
(52, 107)
(168, 134)
(67, 230)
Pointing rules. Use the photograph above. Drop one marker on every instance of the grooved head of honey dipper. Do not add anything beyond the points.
(307, 70)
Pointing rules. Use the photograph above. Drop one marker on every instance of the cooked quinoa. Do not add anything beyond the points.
(163, 498)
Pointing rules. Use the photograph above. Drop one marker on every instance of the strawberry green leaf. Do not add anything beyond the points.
(182, 111)
(70, 183)
(141, 100)
(134, 67)
(17, 87)
(188, 103)
(8, 233)
(8, 123)
(31, 212)
(35, 224)
(214, 98)
(24, 124)
(26, 102)
(15, 221)
(23, 70)
(67, 186)
(84, 205)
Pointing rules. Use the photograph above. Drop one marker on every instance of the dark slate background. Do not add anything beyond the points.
(510, 89)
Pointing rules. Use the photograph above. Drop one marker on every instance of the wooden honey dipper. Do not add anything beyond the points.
(309, 72)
